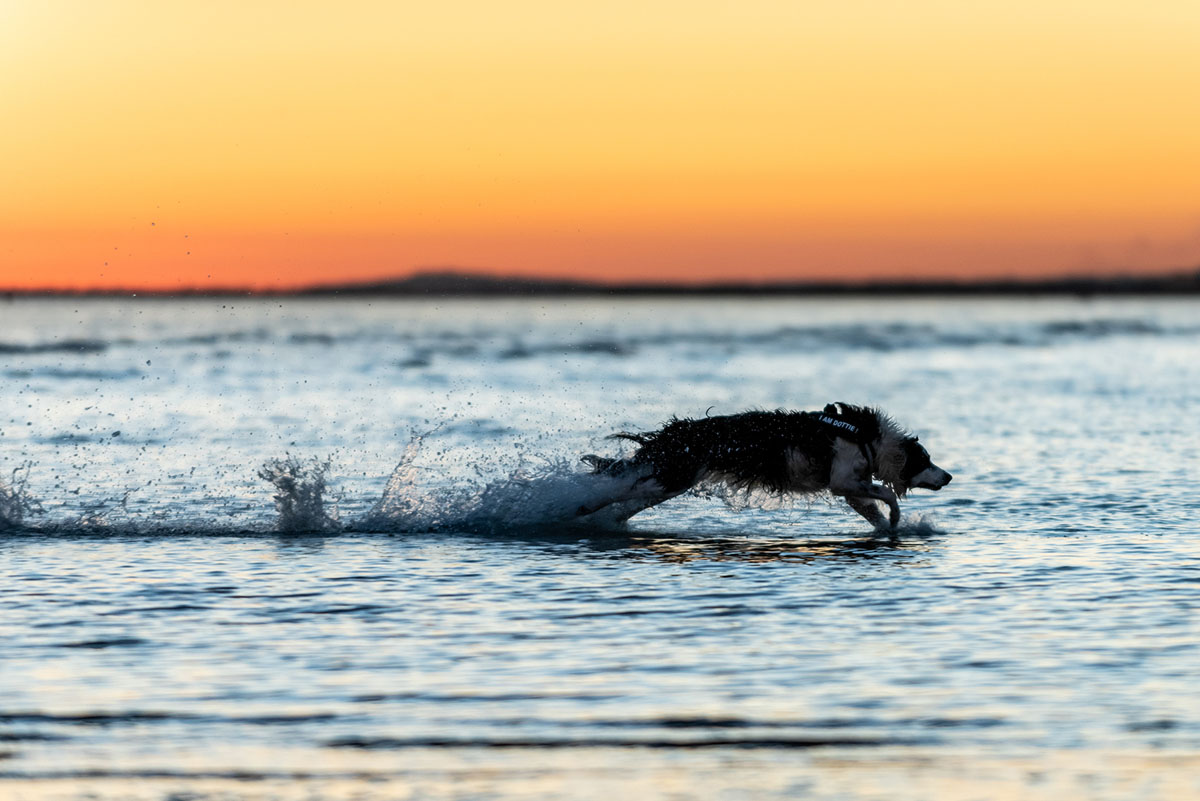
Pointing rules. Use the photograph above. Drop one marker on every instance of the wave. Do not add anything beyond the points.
(66, 374)
(423, 348)
(541, 743)
(528, 731)
(60, 346)
(603, 347)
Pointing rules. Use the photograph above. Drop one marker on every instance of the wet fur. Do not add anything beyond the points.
(780, 452)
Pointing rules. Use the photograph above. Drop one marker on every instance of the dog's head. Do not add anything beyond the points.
(919, 470)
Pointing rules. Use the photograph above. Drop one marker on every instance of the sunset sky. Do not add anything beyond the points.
(271, 144)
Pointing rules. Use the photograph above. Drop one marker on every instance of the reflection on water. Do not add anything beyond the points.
(673, 549)
(1029, 632)
(590, 775)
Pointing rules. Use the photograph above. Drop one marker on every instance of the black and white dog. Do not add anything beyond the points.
(840, 449)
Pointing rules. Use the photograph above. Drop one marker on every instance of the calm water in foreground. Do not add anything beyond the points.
(414, 620)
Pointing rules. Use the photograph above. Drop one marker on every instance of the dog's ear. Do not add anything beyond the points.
(831, 408)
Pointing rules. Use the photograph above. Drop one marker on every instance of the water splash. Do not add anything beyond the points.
(299, 497)
(550, 493)
(739, 499)
(918, 525)
(431, 492)
(444, 489)
(15, 501)
(399, 506)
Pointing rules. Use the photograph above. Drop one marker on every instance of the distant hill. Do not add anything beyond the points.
(459, 282)
(453, 282)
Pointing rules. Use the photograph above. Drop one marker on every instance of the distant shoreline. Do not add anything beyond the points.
(452, 283)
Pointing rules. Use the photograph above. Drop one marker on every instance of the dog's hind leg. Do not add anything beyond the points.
(633, 491)
(621, 509)
(601, 464)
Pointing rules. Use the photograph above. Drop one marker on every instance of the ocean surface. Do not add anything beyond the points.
(289, 549)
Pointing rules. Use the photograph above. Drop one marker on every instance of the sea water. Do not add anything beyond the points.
(304, 549)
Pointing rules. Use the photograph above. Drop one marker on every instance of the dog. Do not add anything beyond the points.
(840, 450)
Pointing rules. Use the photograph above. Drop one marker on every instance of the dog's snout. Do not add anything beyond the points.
(949, 478)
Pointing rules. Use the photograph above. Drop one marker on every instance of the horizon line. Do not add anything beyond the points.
(467, 281)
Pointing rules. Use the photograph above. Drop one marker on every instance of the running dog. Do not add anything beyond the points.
(840, 450)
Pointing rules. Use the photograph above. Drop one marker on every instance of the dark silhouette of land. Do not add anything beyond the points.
(451, 282)
(459, 282)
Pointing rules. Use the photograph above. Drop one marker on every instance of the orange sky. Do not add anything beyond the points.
(268, 144)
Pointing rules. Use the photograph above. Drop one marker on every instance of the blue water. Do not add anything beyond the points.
(317, 549)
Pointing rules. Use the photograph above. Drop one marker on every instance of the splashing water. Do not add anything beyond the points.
(550, 494)
(739, 499)
(299, 497)
(426, 492)
(1038, 634)
(399, 504)
(553, 493)
(15, 500)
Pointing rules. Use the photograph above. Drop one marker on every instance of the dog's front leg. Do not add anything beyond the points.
(886, 495)
(867, 508)
(850, 477)
(860, 490)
